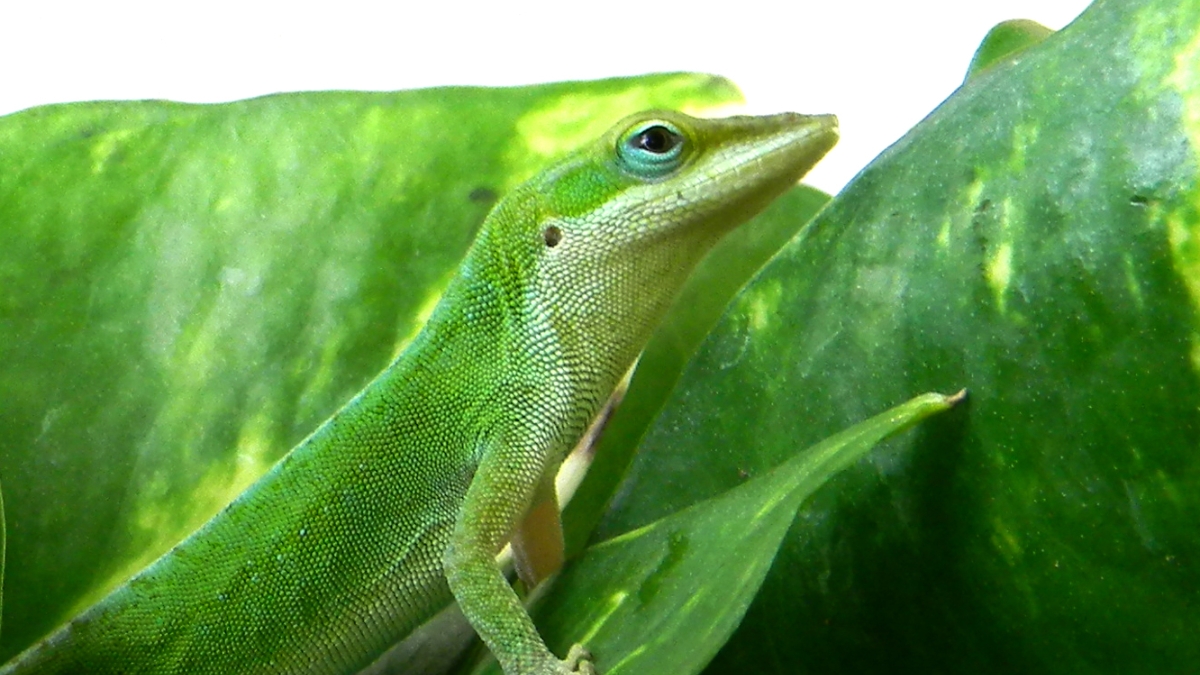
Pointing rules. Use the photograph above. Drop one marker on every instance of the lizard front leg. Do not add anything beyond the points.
(504, 486)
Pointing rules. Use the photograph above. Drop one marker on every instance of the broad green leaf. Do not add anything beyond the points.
(186, 291)
(698, 308)
(1037, 240)
(665, 597)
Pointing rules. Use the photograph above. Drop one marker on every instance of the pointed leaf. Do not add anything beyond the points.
(1003, 41)
(663, 598)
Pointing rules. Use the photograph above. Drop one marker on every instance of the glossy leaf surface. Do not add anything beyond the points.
(662, 599)
(1035, 240)
(186, 291)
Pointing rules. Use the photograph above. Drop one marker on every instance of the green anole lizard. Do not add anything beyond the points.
(404, 497)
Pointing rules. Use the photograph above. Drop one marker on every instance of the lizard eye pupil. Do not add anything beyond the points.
(656, 139)
(652, 149)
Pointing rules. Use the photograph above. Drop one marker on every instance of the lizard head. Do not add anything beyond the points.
(600, 243)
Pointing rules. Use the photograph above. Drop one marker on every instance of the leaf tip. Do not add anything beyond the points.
(957, 397)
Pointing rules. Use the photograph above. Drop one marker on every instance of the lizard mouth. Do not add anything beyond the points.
(732, 183)
(786, 149)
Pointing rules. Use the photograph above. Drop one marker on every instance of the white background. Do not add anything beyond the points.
(881, 66)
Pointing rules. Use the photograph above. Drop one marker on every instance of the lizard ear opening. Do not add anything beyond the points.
(551, 235)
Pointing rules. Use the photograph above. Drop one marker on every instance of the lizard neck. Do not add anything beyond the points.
(489, 353)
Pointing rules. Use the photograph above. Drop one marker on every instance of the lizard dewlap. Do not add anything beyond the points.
(399, 503)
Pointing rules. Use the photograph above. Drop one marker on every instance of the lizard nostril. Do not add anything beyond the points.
(552, 235)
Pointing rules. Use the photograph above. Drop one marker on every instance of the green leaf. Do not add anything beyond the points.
(3, 546)
(663, 598)
(1003, 41)
(186, 291)
(1037, 240)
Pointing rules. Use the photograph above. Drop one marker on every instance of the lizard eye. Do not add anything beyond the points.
(657, 139)
(652, 149)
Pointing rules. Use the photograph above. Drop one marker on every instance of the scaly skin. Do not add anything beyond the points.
(403, 498)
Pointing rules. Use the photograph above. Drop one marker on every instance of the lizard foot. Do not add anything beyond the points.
(578, 662)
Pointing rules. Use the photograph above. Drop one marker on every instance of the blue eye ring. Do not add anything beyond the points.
(652, 149)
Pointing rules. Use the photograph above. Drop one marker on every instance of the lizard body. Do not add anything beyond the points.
(402, 499)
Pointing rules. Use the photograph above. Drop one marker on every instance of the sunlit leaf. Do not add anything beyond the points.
(186, 291)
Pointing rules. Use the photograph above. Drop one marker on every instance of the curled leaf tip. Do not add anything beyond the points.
(958, 397)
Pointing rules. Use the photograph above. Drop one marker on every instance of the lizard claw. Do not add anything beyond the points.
(579, 661)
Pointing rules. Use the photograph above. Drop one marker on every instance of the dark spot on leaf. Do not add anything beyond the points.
(677, 548)
(482, 195)
(982, 223)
